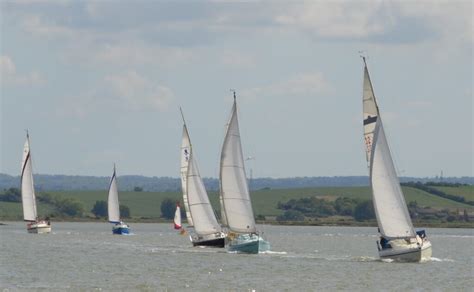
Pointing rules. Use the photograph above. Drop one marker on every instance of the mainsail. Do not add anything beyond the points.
(233, 183)
(177, 218)
(389, 203)
(185, 152)
(27, 186)
(113, 203)
(205, 221)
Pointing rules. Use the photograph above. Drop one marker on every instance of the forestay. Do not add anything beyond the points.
(205, 221)
(185, 152)
(389, 203)
(113, 203)
(27, 186)
(233, 182)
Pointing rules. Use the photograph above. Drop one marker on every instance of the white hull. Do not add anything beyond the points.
(402, 251)
(39, 227)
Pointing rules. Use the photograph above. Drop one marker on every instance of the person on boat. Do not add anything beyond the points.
(384, 243)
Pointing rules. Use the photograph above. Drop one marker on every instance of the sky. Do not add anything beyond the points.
(101, 82)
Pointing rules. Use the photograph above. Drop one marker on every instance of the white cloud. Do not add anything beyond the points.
(139, 53)
(299, 85)
(7, 66)
(335, 19)
(138, 92)
(35, 25)
(237, 60)
(128, 91)
(10, 77)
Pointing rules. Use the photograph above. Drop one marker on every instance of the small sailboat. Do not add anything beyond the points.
(398, 239)
(202, 222)
(177, 218)
(114, 208)
(234, 194)
(28, 198)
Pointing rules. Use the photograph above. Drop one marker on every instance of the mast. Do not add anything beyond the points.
(185, 155)
(200, 207)
(28, 196)
(390, 208)
(113, 206)
(233, 181)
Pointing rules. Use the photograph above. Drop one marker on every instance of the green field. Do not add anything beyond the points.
(146, 205)
(463, 191)
(13, 211)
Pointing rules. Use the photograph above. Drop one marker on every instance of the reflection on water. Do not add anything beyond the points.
(86, 256)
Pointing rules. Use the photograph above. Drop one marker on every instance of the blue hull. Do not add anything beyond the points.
(247, 244)
(120, 230)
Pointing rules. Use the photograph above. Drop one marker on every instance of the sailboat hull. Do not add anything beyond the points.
(39, 227)
(412, 252)
(120, 229)
(248, 243)
(219, 242)
(212, 240)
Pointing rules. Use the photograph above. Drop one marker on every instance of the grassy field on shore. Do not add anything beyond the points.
(146, 205)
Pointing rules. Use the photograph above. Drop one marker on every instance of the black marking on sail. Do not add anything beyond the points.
(24, 165)
(370, 120)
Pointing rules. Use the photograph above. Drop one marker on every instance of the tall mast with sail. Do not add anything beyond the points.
(207, 231)
(113, 207)
(234, 192)
(28, 197)
(389, 203)
(185, 153)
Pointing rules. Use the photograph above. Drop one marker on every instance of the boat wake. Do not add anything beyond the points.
(273, 252)
(433, 259)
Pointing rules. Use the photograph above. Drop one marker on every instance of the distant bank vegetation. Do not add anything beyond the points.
(49, 183)
(428, 203)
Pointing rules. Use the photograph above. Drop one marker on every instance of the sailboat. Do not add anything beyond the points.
(177, 218)
(234, 194)
(205, 230)
(398, 239)
(114, 208)
(28, 197)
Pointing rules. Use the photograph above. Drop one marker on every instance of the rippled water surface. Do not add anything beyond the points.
(86, 256)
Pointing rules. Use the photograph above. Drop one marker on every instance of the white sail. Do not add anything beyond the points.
(205, 221)
(27, 186)
(233, 182)
(185, 152)
(177, 218)
(113, 202)
(389, 203)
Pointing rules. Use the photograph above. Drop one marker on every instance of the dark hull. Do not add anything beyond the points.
(219, 242)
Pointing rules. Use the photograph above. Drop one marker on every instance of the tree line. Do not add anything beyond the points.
(427, 187)
(313, 207)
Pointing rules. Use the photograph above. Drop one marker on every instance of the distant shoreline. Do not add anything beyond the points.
(469, 225)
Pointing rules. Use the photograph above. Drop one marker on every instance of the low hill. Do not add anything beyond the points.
(46, 182)
(146, 205)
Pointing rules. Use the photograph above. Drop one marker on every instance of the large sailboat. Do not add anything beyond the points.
(113, 208)
(398, 239)
(203, 226)
(28, 198)
(234, 194)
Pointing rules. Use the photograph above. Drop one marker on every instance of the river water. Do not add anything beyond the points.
(87, 257)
